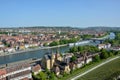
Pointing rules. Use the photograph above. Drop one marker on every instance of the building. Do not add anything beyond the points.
(72, 66)
(83, 59)
(48, 61)
(64, 67)
(18, 72)
(36, 69)
(67, 57)
(2, 74)
(58, 57)
(80, 62)
(56, 70)
(88, 59)
(104, 46)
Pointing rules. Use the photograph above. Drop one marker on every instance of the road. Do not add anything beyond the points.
(80, 75)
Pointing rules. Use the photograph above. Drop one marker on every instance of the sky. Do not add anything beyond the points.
(75, 13)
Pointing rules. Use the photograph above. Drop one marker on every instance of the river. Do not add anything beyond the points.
(38, 53)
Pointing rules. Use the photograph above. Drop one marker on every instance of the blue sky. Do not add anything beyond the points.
(76, 13)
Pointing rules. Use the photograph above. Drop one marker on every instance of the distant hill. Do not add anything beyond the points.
(102, 28)
(67, 28)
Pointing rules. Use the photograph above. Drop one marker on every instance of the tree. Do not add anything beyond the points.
(96, 58)
(64, 74)
(84, 37)
(73, 58)
(73, 49)
(63, 41)
(52, 76)
(118, 52)
(72, 40)
(80, 48)
(45, 44)
(35, 77)
(54, 43)
(104, 54)
(47, 71)
(42, 76)
(110, 54)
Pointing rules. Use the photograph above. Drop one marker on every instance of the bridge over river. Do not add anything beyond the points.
(100, 39)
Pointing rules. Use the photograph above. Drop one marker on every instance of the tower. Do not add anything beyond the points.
(52, 60)
(58, 56)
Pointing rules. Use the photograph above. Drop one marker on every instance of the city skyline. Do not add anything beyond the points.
(59, 13)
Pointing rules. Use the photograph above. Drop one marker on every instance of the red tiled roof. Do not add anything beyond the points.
(36, 68)
(19, 74)
(17, 67)
(2, 71)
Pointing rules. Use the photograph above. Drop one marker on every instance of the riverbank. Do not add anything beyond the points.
(106, 35)
(30, 50)
(38, 48)
(36, 54)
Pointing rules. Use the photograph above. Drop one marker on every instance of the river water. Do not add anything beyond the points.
(38, 53)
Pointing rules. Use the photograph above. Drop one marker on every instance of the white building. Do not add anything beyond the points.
(104, 46)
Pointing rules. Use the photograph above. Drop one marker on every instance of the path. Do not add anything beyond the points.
(80, 75)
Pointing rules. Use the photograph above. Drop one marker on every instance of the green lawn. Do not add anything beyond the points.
(103, 72)
(80, 71)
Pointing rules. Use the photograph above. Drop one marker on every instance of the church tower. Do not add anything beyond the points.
(52, 60)
(58, 56)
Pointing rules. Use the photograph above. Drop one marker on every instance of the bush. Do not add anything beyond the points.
(104, 54)
(110, 54)
(96, 58)
(54, 43)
